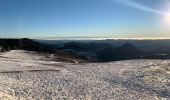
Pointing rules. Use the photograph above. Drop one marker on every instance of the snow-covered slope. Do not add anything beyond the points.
(22, 55)
(24, 75)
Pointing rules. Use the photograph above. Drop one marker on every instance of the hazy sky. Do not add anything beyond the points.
(65, 18)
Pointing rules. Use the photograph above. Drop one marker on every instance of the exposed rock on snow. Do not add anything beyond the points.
(30, 77)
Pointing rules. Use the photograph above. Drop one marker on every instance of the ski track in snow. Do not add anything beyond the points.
(24, 75)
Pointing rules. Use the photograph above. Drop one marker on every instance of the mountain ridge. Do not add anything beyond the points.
(88, 51)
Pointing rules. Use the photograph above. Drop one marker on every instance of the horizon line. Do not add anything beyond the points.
(96, 38)
(85, 38)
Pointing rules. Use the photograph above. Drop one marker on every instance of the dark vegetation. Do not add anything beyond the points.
(93, 51)
(24, 44)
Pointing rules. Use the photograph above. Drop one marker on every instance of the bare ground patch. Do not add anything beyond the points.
(38, 70)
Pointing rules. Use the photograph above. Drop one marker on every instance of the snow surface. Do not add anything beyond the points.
(26, 75)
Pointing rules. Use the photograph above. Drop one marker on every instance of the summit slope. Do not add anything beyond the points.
(25, 78)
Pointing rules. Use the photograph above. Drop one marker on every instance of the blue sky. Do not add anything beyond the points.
(101, 18)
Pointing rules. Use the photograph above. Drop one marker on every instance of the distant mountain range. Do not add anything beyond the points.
(124, 52)
(93, 51)
(113, 50)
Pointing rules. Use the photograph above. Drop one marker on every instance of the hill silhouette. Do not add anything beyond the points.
(127, 51)
(124, 52)
(24, 44)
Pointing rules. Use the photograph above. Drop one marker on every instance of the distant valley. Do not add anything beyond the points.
(113, 50)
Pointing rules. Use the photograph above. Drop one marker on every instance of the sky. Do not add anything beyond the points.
(85, 18)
